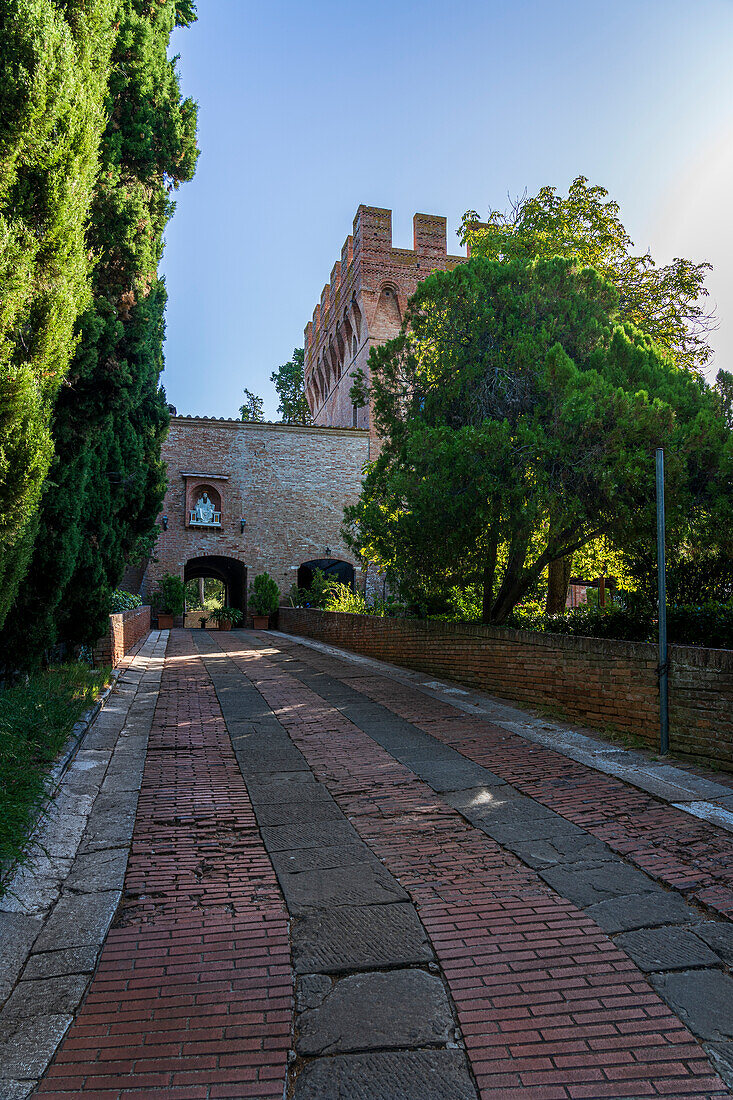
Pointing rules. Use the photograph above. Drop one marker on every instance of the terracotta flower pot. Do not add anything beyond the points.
(165, 622)
(225, 624)
(261, 622)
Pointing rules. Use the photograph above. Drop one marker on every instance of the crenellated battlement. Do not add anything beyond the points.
(364, 302)
(371, 242)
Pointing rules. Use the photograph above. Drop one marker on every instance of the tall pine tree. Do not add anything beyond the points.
(107, 478)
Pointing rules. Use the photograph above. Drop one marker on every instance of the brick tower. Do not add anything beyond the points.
(363, 306)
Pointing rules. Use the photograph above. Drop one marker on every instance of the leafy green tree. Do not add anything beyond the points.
(664, 302)
(107, 479)
(519, 423)
(54, 64)
(289, 380)
(252, 408)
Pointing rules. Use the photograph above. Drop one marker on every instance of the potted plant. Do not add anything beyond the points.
(227, 617)
(169, 598)
(264, 598)
(203, 620)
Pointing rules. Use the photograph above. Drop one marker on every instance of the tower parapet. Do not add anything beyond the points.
(363, 305)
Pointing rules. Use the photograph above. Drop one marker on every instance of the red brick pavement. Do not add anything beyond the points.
(549, 1007)
(193, 995)
(671, 846)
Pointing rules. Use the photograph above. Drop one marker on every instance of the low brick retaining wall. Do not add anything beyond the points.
(593, 681)
(125, 629)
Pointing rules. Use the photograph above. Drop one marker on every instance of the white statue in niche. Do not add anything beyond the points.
(204, 509)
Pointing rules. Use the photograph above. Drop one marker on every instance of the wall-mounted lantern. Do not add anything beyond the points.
(328, 551)
(242, 525)
(165, 523)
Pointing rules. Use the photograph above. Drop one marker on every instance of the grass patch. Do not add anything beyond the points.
(36, 720)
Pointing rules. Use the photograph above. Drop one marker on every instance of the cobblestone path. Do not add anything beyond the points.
(421, 905)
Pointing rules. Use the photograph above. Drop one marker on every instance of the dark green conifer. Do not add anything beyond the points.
(107, 479)
(54, 65)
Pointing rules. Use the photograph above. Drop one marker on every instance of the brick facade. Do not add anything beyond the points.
(363, 305)
(597, 682)
(288, 484)
(126, 628)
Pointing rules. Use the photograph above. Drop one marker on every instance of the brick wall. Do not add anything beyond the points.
(596, 682)
(125, 629)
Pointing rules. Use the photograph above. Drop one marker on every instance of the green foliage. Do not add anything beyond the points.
(124, 601)
(214, 592)
(629, 621)
(54, 63)
(342, 597)
(663, 302)
(169, 595)
(252, 408)
(519, 424)
(36, 720)
(707, 624)
(315, 595)
(227, 615)
(264, 595)
(107, 479)
(632, 619)
(289, 380)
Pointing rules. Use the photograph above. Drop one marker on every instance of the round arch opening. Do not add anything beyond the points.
(231, 572)
(333, 568)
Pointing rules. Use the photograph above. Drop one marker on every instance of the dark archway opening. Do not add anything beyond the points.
(232, 574)
(334, 569)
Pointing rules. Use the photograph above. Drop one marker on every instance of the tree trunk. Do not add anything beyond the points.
(558, 579)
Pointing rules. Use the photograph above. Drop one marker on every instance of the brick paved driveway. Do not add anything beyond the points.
(343, 888)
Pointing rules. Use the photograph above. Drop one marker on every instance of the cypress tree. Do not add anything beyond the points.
(54, 64)
(107, 480)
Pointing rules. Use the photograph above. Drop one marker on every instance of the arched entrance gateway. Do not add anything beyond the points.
(231, 572)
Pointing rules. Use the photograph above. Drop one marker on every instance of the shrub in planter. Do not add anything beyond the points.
(169, 599)
(203, 620)
(226, 617)
(264, 598)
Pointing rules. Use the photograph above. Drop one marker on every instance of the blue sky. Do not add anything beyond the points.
(307, 110)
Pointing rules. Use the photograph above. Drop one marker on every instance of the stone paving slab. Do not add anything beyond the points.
(320, 834)
(359, 938)
(402, 1009)
(625, 914)
(324, 888)
(702, 998)
(673, 948)
(422, 1075)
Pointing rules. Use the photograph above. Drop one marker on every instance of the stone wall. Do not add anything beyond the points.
(287, 484)
(596, 682)
(125, 629)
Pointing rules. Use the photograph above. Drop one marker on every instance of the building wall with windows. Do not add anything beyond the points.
(362, 306)
(278, 492)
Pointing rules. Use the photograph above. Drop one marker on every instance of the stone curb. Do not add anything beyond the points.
(58, 771)
(55, 920)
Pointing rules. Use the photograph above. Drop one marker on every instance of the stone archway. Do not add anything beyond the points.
(230, 571)
(334, 569)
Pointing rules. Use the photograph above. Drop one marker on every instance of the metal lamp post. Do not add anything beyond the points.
(662, 589)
